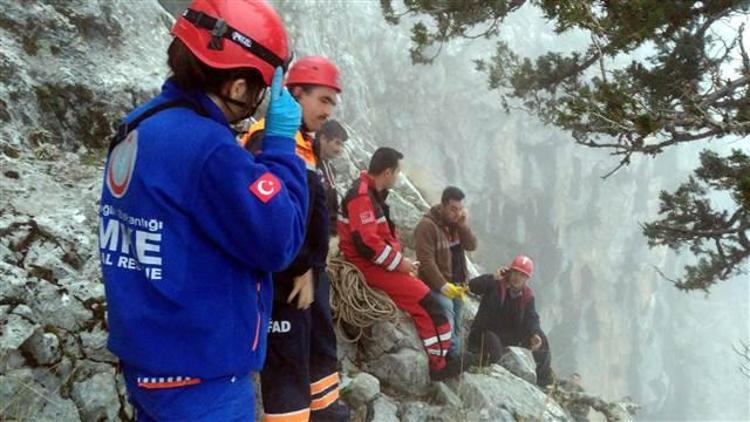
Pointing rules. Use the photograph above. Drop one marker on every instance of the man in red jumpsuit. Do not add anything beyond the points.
(370, 242)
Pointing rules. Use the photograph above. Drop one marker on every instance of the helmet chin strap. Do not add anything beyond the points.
(231, 101)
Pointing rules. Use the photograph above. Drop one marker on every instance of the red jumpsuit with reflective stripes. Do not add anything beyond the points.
(370, 242)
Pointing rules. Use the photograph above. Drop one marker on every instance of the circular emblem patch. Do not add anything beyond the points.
(121, 164)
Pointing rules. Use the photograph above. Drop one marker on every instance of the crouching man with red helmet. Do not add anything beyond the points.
(507, 317)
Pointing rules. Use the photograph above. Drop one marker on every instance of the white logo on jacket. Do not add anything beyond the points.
(280, 327)
(121, 165)
(130, 243)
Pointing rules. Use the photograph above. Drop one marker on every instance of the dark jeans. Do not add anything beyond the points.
(489, 348)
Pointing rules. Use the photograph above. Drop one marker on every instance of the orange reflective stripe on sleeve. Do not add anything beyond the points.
(324, 383)
(325, 401)
(296, 416)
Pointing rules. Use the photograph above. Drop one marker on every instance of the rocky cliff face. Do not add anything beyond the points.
(68, 70)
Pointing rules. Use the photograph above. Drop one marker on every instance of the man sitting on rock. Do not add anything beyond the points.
(507, 317)
(370, 242)
(441, 239)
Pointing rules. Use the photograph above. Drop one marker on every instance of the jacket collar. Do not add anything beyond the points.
(369, 181)
(436, 216)
(504, 288)
(171, 91)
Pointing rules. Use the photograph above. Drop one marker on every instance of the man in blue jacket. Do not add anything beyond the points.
(507, 317)
(192, 226)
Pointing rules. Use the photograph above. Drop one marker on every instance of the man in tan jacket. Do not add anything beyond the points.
(441, 238)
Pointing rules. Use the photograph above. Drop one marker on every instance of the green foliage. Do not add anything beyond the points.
(689, 218)
(688, 89)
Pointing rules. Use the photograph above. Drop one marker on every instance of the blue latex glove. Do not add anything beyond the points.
(284, 114)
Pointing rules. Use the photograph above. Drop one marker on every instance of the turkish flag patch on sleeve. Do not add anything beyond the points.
(266, 187)
(367, 217)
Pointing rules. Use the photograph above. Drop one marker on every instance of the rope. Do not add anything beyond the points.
(354, 302)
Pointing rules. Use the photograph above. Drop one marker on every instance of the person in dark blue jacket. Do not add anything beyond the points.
(300, 380)
(191, 226)
(507, 317)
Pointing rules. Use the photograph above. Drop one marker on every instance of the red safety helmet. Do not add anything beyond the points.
(523, 264)
(229, 34)
(314, 70)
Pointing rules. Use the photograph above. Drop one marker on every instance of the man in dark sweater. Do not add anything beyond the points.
(328, 145)
(507, 317)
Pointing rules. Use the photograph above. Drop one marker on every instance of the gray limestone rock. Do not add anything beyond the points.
(11, 359)
(123, 393)
(499, 390)
(56, 306)
(383, 409)
(345, 349)
(15, 330)
(361, 390)
(24, 311)
(388, 337)
(520, 362)
(404, 371)
(444, 396)
(94, 345)
(44, 347)
(414, 411)
(97, 397)
(23, 397)
(13, 281)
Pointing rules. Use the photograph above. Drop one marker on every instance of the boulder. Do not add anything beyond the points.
(393, 352)
(417, 411)
(414, 411)
(22, 397)
(389, 337)
(97, 397)
(56, 306)
(499, 391)
(444, 396)
(520, 362)
(11, 359)
(85, 289)
(404, 371)
(16, 329)
(361, 390)
(383, 409)
(13, 280)
(43, 347)
(94, 345)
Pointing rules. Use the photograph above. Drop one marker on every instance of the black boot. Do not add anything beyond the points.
(454, 366)
(451, 369)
